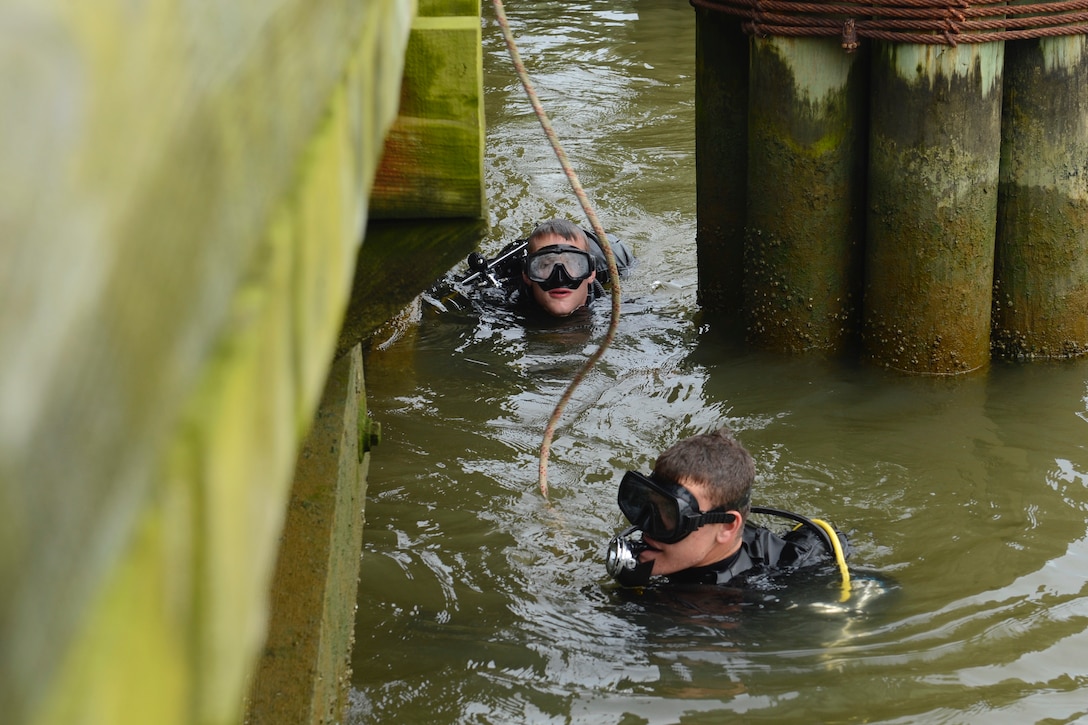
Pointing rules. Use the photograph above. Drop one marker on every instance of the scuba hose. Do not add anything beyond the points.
(549, 431)
(827, 533)
(840, 558)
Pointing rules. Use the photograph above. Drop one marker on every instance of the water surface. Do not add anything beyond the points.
(481, 602)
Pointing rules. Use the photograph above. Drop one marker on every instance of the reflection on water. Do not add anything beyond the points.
(965, 499)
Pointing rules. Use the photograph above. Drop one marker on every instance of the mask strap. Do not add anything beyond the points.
(717, 517)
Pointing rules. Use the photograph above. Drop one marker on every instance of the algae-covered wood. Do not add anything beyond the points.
(433, 161)
(185, 193)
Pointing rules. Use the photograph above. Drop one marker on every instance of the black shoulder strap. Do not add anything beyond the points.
(767, 511)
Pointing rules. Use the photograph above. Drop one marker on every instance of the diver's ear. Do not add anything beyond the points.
(727, 531)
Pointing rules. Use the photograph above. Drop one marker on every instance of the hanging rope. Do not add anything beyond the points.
(613, 274)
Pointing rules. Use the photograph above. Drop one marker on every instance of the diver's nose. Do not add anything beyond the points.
(560, 274)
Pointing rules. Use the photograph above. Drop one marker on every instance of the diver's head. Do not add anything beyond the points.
(691, 509)
(558, 268)
(716, 461)
(679, 527)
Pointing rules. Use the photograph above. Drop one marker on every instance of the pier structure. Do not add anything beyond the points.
(908, 179)
(184, 441)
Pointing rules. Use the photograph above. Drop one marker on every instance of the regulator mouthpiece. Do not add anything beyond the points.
(622, 562)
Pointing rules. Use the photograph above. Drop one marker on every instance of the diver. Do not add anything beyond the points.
(690, 523)
(557, 270)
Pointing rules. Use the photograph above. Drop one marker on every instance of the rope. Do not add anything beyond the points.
(613, 273)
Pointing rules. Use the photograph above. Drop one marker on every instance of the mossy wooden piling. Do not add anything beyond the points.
(433, 162)
(969, 160)
(934, 153)
(1041, 277)
(806, 175)
(721, 160)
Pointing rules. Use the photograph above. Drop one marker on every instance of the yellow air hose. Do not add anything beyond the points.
(840, 557)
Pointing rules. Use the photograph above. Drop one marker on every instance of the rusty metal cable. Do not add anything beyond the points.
(925, 22)
(613, 273)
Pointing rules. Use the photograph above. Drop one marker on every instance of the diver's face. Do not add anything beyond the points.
(560, 301)
(706, 545)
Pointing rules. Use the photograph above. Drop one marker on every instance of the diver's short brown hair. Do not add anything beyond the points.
(715, 460)
(560, 228)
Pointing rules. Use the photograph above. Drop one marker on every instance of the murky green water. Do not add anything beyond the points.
(480, 603)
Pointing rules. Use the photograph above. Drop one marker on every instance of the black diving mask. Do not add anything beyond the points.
(666, 511)
(559, 265)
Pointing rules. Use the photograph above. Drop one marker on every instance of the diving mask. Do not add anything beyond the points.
(665, 510)
(559, 265)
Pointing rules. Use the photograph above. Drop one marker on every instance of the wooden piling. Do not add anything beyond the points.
(433, 163)
(935, 143)
(806, 183)
(721, 158)
(1040, 307)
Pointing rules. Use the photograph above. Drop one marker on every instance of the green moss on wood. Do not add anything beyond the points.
(223, 256)
(1040, 307)
(433, 161)
(933, 173)
(805, 192)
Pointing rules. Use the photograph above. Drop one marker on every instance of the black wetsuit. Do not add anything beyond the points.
(762, 553)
